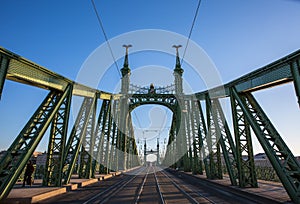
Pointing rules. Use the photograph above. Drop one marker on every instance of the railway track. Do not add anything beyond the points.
(156, 185)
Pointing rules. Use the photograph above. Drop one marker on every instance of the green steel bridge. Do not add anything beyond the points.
(199, 136)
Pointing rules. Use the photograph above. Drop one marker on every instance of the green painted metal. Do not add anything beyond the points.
(4, 62)
(87, 147)
(280, 156)
(57, 142)
(190, 137)
(244, 149)
(99, 136)
(169, 160)
(108, 133)
(104, 146)
(22, 148)
(76, 138)
(194, 115)
(113, 153)
(295, 69)
(225, 140)
(215, 166)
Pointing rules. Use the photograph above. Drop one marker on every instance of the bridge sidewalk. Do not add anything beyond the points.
(268, 189)
(37, 192)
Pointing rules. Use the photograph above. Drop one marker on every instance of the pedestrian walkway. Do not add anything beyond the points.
(37, 192)
(268, 189)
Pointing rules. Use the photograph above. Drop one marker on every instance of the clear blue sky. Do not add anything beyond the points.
(239, 37)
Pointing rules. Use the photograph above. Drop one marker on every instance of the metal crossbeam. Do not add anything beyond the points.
(276, 73)
(280, 156)
(22, 148)
(24, 71)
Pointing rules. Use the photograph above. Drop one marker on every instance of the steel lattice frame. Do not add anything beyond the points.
(215, 166)
(226, 141)
(87, 147)
(57, 142)
(22, 148)
(76, 138)
(244, 153)
(280, 156)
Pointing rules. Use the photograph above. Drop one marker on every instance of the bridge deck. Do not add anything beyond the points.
(36, 193)
(268, 189)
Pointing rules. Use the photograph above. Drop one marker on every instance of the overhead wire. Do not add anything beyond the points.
(105, 36)
(110, 49)
(191, 30)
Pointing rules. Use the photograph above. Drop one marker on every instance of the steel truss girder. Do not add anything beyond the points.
(132, 152)
(295, 69)
(102, 135)
(76, 138)
(226, 141)
(244, 149)
(113, 160)
(57, 141)
(168, 100)
(203, 141)
(215, 165)
(87, 147)
(4, 63)
(280, 156)
(192, 154)
(180, 137)
(194, 115)
(22, 148)
(170, 150)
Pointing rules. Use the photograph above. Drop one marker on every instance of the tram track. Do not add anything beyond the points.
(156, 185)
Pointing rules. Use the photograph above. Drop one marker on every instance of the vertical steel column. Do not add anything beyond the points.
(87, 147)
(279, 154)
(181, 142)
(202, 133)
(108, 135)
(20, 151)
(213, 143)
(170, 151)
(187, 115)
(244, 153)
(194, 115)
(57, 142)
(225, 140)
(122, 158)
(113, 153)
(296, 76)
(97, 139)
(76, 137)
(4, 62)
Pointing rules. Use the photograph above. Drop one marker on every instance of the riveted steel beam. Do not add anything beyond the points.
(244, 153)
(76, 138)
(23, 146)
(273, 74)
(226, 141)
(57, 142)
(4, 63)
(279, 154)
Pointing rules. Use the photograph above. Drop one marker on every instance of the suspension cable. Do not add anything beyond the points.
(191, 30)
(105, 36)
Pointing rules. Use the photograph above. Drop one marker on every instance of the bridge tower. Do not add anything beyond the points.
(124, 113)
